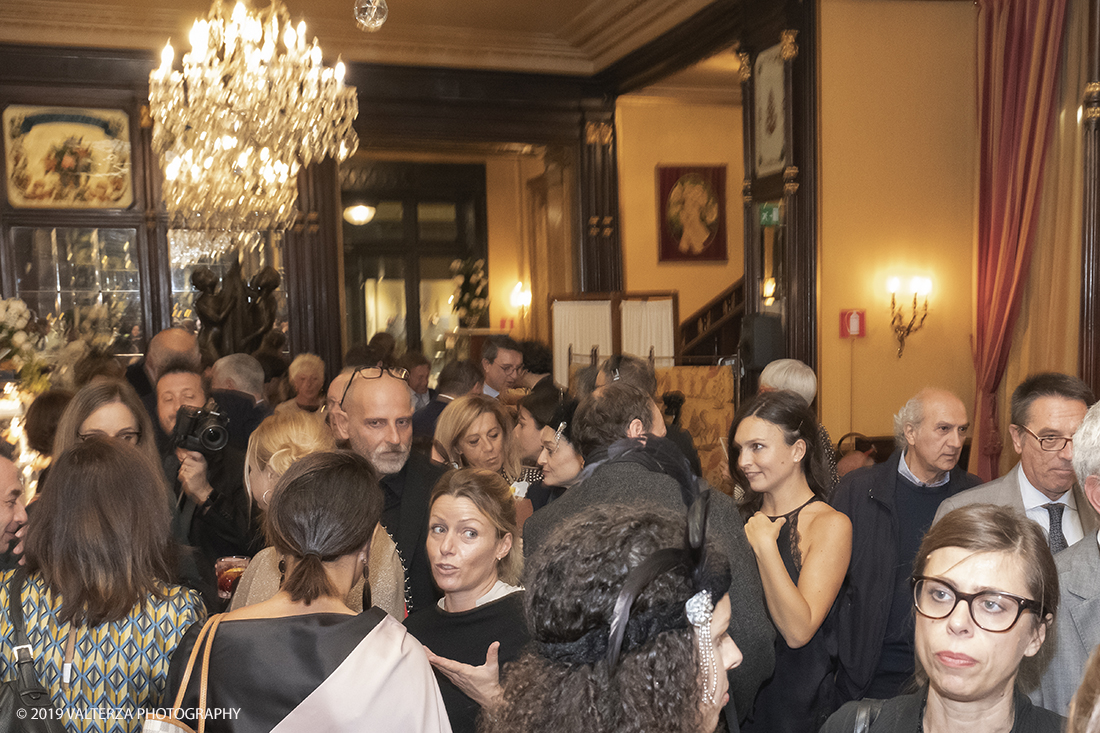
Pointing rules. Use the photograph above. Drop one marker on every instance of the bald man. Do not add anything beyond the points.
(13, 511)
(892, 505)
(171, 345)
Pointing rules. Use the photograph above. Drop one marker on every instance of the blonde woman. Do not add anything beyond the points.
(475, 431)
(476, 562)
(277, 443)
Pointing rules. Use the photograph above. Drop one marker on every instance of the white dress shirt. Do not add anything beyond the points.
(1034, 501)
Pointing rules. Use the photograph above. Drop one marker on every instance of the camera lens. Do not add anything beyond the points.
(214, 437)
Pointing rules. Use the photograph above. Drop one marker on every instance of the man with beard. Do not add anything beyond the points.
(376, 419)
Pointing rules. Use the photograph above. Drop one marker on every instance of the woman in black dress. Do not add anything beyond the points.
(476, 561)
(802, 548)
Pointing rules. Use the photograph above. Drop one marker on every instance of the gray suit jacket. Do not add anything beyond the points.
(1076, 629)
(1005, 491)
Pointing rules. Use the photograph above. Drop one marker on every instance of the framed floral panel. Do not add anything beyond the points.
(691, 213)
(770, 110)
(67, 158)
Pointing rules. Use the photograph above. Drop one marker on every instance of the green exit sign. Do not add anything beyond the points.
(769, 215)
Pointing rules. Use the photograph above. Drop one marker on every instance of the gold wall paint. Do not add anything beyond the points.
(898, 188)
(652, 131)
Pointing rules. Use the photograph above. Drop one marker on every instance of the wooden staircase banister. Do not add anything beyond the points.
(716, 327)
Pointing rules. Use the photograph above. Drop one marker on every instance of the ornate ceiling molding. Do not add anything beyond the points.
(602, 33)
(607, 31)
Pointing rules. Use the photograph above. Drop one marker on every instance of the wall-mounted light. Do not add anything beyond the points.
(521, 297)
(359, 215)
(902, 329)
(768, 291)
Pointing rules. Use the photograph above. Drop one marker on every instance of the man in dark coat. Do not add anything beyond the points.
(376, 419)
(891, 506)
(617, 411)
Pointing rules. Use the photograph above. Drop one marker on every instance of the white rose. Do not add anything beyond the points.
(23, 320)
(17, 361)
(18, 339)
(18, 306)
(3, 310)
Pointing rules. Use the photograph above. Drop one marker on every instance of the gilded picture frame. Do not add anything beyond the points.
(691, 213)
(67, 158)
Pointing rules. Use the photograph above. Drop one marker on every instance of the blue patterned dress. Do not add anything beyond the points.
(119, 668)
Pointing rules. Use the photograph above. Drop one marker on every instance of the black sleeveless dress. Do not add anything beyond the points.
(799, 696)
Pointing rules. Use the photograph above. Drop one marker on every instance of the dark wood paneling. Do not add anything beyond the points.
(765, 24)
(312, 251)
(713, 28)
(1089, 354)
(601, 251)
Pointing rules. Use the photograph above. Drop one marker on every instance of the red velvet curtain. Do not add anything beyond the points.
(1019, 55)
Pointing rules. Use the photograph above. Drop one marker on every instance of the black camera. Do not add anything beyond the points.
(201, 429)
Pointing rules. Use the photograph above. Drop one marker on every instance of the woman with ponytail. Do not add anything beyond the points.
(274, 446)
(303, 660)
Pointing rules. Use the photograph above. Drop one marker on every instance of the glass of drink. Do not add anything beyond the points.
(229, 571)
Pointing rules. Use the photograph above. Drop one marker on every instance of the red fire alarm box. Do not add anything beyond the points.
(853, 324)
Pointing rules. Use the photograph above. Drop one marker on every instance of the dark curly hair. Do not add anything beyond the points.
(572, 585)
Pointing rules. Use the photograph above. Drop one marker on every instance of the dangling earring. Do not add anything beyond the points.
(282, 570)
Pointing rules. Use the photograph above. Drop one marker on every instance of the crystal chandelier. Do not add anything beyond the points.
(252, 104)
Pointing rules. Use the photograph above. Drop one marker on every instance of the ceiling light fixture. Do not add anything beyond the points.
(359, 215)
(252, 105)
(370, 14)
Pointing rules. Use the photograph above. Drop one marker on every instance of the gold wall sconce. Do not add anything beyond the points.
(903, 328)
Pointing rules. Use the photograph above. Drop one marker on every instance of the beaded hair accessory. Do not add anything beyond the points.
(557, 434)
(698, 610)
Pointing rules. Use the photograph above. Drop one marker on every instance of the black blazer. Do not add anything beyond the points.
(411, 535)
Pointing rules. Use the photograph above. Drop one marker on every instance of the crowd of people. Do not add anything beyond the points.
(504, 553)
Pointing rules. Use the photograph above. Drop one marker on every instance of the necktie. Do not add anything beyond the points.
(1055, 537)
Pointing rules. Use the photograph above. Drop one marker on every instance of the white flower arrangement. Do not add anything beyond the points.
(471, 299)
(18, 334)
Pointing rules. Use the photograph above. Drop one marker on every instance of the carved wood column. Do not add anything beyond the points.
(1090, 231)
(601, 251)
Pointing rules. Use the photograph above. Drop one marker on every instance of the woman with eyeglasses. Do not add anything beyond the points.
(106, 409)
(985, 592)
(111, 409)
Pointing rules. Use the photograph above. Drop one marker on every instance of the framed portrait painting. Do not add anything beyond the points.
(691, 213)
(67, 158)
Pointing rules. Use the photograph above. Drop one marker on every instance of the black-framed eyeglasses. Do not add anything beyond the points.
(127, 436)
(1052, 443)
(508, 369)
(374, 372)
(992, 610)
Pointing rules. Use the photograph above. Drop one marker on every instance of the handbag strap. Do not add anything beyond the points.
(866, 712)
(209, 626)
(205, 672)
(24, 658)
